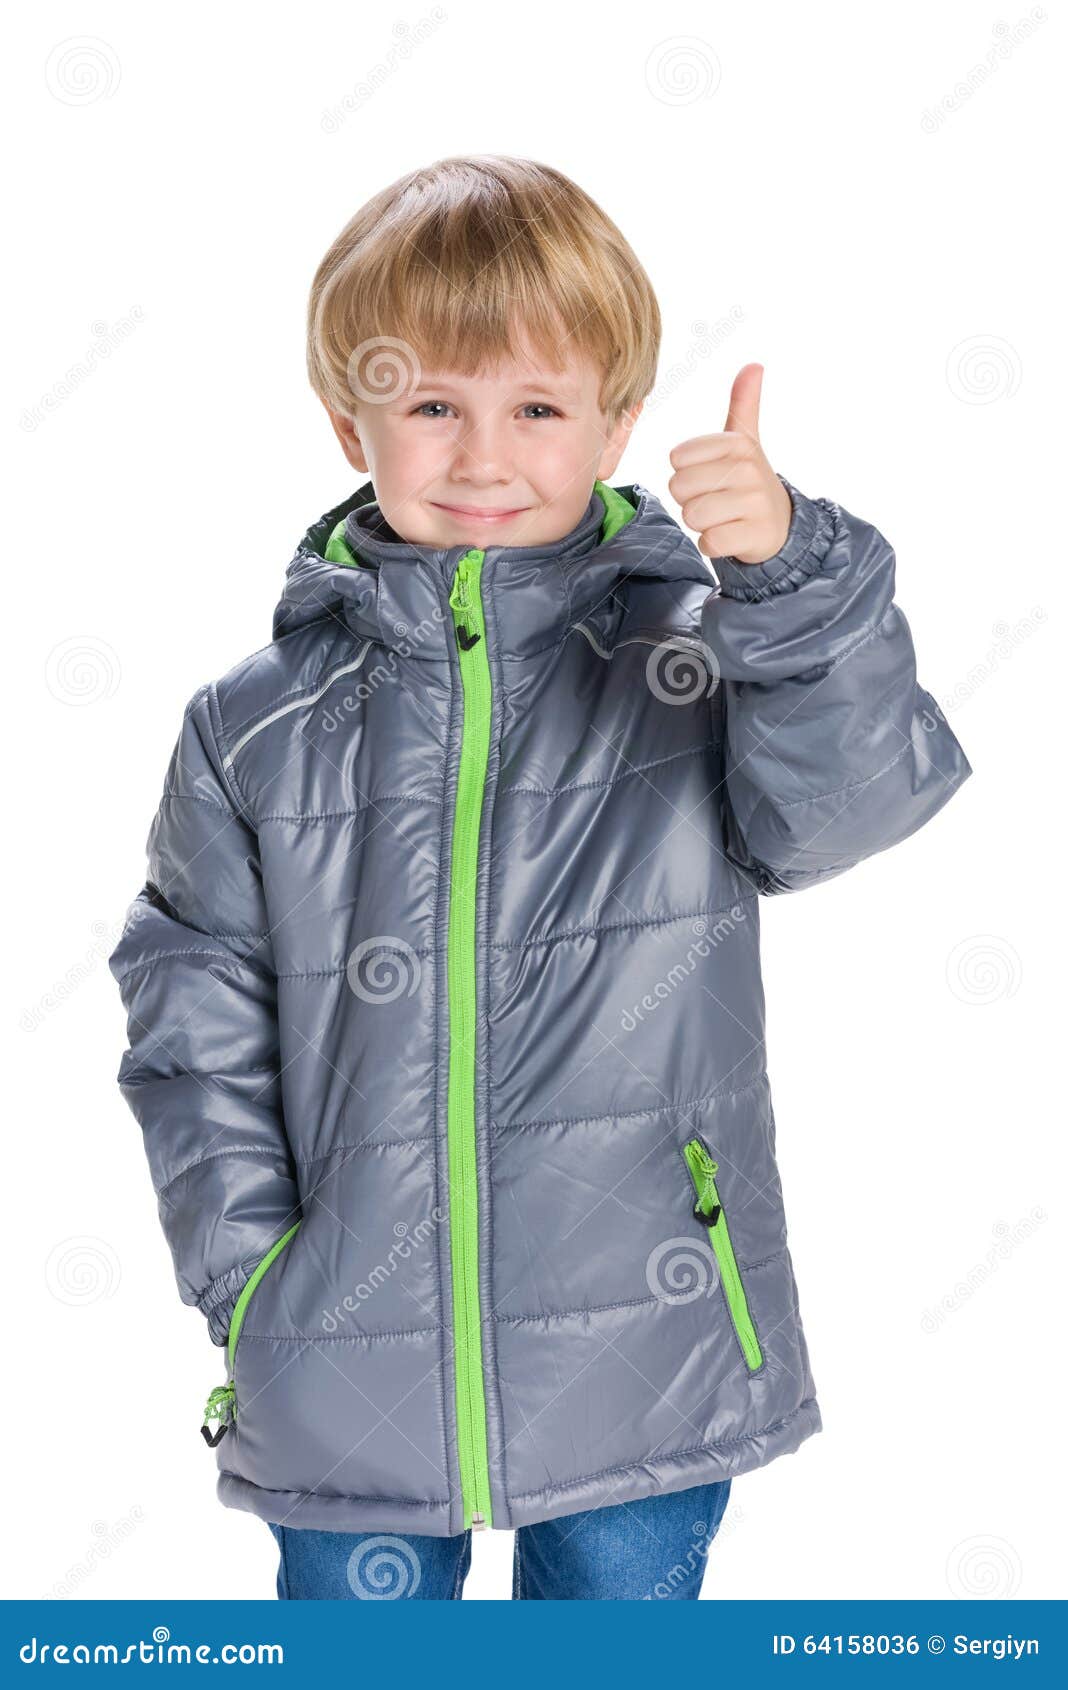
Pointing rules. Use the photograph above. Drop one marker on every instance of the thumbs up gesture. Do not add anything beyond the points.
(729, 493)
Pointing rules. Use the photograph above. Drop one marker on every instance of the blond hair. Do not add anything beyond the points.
(449, 264)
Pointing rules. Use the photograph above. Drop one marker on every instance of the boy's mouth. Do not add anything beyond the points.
(479, 513)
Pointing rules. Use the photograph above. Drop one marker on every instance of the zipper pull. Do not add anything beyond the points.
(461, 604)
(458, 596)
(220, 1406)
(703, 1170)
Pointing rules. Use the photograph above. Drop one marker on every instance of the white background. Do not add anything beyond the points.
(800, 193)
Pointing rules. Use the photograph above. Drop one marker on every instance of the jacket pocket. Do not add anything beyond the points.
(708, 1208)
(222, 1401)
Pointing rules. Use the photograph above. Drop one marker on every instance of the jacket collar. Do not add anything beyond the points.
(390, 590)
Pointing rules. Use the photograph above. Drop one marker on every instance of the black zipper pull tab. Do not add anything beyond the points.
(710, 1219)
(466, 639)
(221, 1407)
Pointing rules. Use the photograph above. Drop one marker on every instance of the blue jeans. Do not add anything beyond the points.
(651, 1549)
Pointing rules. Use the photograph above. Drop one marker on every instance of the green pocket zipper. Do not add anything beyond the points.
(222, 1401)
(709, 1209)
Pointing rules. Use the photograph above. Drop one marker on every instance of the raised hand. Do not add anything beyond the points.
(729, 493)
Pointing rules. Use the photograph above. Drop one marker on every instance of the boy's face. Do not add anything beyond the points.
(504, 458)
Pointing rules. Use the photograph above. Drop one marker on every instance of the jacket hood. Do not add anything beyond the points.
(351, 564)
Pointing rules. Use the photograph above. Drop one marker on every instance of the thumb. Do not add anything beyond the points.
(743, 414)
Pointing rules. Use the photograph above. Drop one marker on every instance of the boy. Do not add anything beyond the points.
(446, 1023)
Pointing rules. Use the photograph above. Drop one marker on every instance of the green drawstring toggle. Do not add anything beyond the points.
(220, 1406)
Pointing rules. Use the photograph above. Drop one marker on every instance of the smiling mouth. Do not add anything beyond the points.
(477, 512)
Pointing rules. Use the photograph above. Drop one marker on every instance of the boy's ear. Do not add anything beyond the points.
(616, 441)
(345, 429)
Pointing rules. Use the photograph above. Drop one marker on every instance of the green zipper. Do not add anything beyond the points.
(237, 1319)
(222, 1400)
(703, 1171)
(466, 603)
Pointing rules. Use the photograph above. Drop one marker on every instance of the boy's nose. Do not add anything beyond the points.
(481, 456)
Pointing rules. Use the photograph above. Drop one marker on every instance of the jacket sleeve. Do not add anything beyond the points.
(201, 1071)
(833, 749)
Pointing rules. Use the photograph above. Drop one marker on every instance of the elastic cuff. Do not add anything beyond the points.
(217, 1302)
(804, 549)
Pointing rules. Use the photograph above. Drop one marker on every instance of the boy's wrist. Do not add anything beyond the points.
(804, 549)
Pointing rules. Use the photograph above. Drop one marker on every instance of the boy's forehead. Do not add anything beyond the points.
(568, 381)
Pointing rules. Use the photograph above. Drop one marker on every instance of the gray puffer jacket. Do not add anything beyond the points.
(446, 1028)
